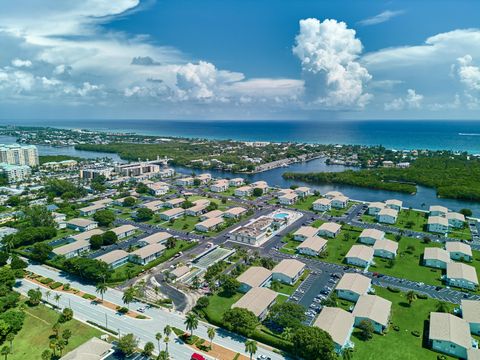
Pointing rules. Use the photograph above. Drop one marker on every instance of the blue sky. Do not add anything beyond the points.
(249, 59)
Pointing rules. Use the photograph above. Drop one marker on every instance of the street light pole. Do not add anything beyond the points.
(106, 321)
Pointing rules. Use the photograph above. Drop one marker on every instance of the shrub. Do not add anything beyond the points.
(177, 331)
(140, 316)
(89, 296)
(122, 310)
(45, 281)
(396, 328)
(55, 285)
(416, 333)
(422, 296)
(102, 327)
(66, 286)
(393, 289)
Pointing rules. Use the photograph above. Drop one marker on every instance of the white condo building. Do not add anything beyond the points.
(19, 155)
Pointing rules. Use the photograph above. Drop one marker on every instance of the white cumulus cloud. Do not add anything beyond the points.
(329, 53)
(411, 101)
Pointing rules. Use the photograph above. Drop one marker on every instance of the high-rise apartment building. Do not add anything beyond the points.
(19, 155)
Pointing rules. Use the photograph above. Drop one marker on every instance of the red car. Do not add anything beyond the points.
(196, 356)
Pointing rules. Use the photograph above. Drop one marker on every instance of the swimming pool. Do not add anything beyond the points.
(281, 216)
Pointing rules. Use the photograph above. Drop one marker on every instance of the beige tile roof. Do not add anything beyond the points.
(92, 208)
(448, 327)
(289, 196)
(323, 201)
(362, 252)
(255, 276)
(394, 202)
(438, 208)
(257, 300)
(93, 349)
(123, 229)
(471, 311)
(433, 253)
(330, 226)
(173, 212)
(457, 270)
(341, 198)
(209, 223)
(86, 235)
(376, 204)
(197, 208)
(473, 354)
(175, 201)
(356, 283)
(458, 246)
(238, 210)
(316, 243)
(153, 205)
(302, 189)
(80, 222)
(157, 237)
(244, 188)
(388, 212)
(373, 307)
(289, 267)
(113, 256)
(373, 233)
(437, 220)
(76, 245)
(332, 194)
(306, 231)
(180, 271)
(387, 245)
(455, 215)
(336, 322)
(148, 250)
(213, 214)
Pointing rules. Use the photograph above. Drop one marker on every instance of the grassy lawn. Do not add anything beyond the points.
(408, 263)
(305, 203)
(338, 247)
(290, 245)
(281, 299)
(33, 339)
(127, 271)
(184, 223)
(463, 233)
(399, 344)
(218, 305)
(412, 220)
(290, 289)
(339, 212)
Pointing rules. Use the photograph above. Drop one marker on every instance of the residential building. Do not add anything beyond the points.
(370, 236)
(359, 255)
(449, 334)
(16, 154)
(244, 191)
(196, 210)
(219, 186)
(375, 207)
(322, 204)
(156, 238)
(338, 323)
(158, 188)
(86, 235)
(93, 349)
(312, 246)
(255, 276)
(387, 216)
(173, 202)
(260, 185)
(115, 258)
(92, 173)
(187, 181)
(461, 275)
(436, 257)
(92, 209)
(204, 178)
(437, 224)
(209, 224)
(288, 199)
(456, 220)
(459, 251)
(339, 202)
(385, 248)
(471, 314)
(235, 212)
(305, 232)
(236, 182)
(174, 213)
(74, 248)
(303, 191)
(211, 214)
(394, 204)
(375, 309)
(258, 300)
(351, 286)
(329, 229)
(15, 173)
(437, 210)
(254, 231)
(124, 231)
(81, 224)
(331, 194)
(154, 205)
(147, 253)
(142, 169)
(5, 231)
(288, 271)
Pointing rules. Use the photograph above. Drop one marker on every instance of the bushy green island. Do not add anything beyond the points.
(456, 177)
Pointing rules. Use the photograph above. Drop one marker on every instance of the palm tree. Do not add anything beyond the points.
(101, 289)
(191, 322)
(347, 354)
(158, 336)
(166, 340)
(46, 355)
(167, 330)
(251, 347)
(211, 332)
(128, 296)
(48, 293)
(57, 298)
(5, 351)
(9, 338)
(56, 329)
(411, 297)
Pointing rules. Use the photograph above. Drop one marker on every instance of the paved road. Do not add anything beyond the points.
(144, 329)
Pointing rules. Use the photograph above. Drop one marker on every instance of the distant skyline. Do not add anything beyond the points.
(248, 59)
